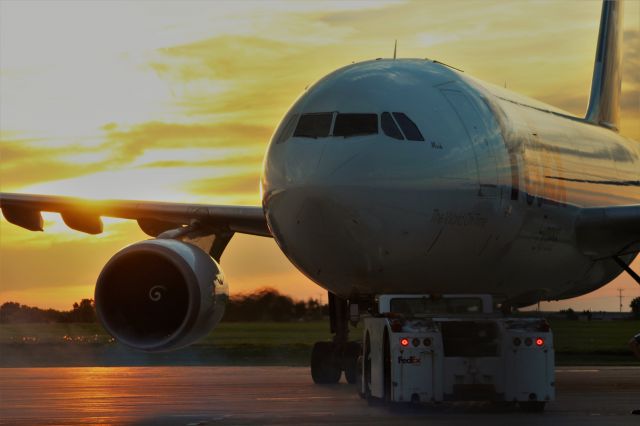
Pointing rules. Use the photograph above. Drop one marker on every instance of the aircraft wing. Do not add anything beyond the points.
(603, 232)
(154, 218)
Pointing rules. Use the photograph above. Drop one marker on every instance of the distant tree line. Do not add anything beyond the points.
(12, 312)
(263, 305)
(267, 304)
(635, 307)
(270, 305)
(570, 314)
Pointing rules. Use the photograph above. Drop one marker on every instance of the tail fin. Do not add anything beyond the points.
(604, 102)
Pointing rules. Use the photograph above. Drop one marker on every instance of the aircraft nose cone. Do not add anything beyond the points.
(323, 234)
(300, 161)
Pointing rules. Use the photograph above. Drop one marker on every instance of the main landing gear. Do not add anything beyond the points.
(330, 359)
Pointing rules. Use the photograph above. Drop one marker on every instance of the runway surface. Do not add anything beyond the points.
(281, 395)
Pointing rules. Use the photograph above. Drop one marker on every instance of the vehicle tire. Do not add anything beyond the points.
(366, 375)
(387, 367)
(532, 406)
(324, 367)
(350, 355)
(359, 378)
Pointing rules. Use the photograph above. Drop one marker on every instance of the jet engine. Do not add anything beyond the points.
(160, 294)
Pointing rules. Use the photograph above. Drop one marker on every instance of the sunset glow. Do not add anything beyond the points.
(176, 101)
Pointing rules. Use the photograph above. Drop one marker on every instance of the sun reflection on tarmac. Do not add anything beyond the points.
(108, 395)
(275, 395)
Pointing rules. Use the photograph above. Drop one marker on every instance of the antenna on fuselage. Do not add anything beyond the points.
(395, 49)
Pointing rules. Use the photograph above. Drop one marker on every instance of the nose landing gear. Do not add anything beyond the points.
(330, 359)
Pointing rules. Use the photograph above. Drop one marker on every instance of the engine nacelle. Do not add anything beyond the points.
(160, 294)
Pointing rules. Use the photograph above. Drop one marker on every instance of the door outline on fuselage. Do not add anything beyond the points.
(471, 119)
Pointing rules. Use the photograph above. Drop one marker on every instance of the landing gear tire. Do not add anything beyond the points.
(350, 355)
(325, 370)
(532, 406)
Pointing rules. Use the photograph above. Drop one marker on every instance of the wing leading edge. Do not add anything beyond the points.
(154, 218)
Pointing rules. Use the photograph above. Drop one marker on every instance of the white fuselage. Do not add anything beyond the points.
(486, 203)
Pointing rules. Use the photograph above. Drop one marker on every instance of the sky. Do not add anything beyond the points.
(176, 101)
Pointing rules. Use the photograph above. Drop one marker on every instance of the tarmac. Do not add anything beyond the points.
(282, 395)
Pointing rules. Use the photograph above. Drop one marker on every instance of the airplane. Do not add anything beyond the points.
(398, 176)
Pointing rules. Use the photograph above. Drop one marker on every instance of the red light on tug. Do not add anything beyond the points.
(539, 341)
(404, 341)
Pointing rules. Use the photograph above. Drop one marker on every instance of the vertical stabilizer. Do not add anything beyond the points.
(604, 102)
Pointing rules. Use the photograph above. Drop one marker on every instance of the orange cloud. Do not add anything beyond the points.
(244, 188)
(25, 162)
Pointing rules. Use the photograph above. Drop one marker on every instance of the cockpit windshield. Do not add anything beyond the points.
(315, 125)
(389, 127)
(355, 125)
(287, 130)
(408, 127)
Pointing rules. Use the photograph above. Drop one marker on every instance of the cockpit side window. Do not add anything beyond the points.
(315, 125)
(287, 130)
(355, 125)
(389, 127)
(408, 127)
